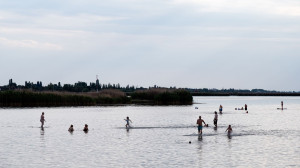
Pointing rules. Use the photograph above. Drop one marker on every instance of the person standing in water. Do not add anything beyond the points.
(246, 107)
(199, 122)
(229, 129)
(281, 105)
(127, 122)
(220, 109)
(42, 120)
(216, 119)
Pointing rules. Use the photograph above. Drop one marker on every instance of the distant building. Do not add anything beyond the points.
(97, 84)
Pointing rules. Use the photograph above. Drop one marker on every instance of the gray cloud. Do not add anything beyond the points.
(214, 44)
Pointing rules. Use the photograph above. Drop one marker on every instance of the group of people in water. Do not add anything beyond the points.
(71, 129)
(199, 121)
(200, 126)
(242, 108)
(229, 129)
(85, 129)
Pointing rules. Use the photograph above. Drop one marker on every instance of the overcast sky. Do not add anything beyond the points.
(242, 44)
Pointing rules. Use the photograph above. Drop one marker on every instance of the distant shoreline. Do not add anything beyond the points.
(246, 94)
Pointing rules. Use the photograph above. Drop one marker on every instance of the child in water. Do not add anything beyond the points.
(71, 129)
(220, 109)
(127, 122)
(86, 128)
(229, 129)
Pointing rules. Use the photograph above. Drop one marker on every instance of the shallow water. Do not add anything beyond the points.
(265, 137)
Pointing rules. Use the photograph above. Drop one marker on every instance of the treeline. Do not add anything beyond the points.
(104, 97)
(77, 87)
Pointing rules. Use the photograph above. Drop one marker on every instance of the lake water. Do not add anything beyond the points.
(265, 137)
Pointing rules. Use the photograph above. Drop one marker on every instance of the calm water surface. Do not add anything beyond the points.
(265, 137)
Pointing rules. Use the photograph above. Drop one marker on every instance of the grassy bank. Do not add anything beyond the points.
(27, 98)
(163, 97)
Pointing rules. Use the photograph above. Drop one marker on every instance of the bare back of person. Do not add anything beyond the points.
(199, 122)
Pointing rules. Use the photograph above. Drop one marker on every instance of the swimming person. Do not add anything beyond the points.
(127, 122)
(220, 109)
(71, 129)
(216, 119)
(229, 129)
(42, 120)
(199, 122)
(282, 105)
(246, 106)
(86, 128)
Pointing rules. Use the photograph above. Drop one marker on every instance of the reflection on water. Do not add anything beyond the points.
(229, 135)
(200, 137)
(160, 137)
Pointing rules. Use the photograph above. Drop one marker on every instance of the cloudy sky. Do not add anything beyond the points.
(242, 44)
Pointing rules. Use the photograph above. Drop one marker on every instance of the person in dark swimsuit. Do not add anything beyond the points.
(216, 119)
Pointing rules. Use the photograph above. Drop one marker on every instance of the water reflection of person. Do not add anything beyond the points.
(42, 131)
(200, 137)
(42, 120)
(85, 129)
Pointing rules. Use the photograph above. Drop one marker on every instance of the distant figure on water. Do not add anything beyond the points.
(42, 120)
(199, 122)
(246, 106)
(127, 122)
(220, 109)
(216, 119)
(86, 128)
(282, 105)
(229, 129)
(71, 129)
